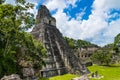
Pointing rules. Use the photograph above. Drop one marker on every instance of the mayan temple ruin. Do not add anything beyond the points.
(60, 59)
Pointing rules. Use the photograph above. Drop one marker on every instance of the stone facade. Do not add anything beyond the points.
(45, 17)
(86, 52)
(60, 59)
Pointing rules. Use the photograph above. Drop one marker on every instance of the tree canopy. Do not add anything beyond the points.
(110, 53)
(74, 44)
(102, 56)
(15, 20)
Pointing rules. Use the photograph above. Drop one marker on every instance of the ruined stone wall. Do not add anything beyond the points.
(86, 52)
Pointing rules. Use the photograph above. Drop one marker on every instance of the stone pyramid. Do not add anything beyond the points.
(60, 60)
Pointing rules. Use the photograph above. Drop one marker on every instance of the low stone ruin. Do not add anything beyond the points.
(11, 77)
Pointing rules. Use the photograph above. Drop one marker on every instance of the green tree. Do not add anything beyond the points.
(117, 44)
(102, 57)
(117, 49)
(15, 20)
(117, 40)
(70, 42)
(75, 44)
(81, 43)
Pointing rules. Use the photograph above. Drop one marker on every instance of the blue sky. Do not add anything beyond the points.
(97, 21)
(80, 6)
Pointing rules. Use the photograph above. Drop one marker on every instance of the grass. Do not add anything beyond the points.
(62, 77)
(43, 79)
(109, 72)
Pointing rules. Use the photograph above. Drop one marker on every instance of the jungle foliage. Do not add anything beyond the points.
(109, 54)
(15, 20)
(75, 44)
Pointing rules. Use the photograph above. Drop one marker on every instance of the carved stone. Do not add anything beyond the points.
(60, 59)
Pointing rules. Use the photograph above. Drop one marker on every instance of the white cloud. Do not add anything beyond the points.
(110, 30)
(62, 19)
(72, 2)
(80, 14)
(55, 4)
(95, 28)
(114, 29)
(91, 28)
(60, 4)
(112, 4)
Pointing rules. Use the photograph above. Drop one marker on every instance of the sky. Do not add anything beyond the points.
(97, 21)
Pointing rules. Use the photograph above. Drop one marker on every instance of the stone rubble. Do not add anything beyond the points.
(11, 77)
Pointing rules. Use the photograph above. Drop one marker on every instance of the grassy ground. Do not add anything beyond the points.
(109, 73)
(62, 77)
